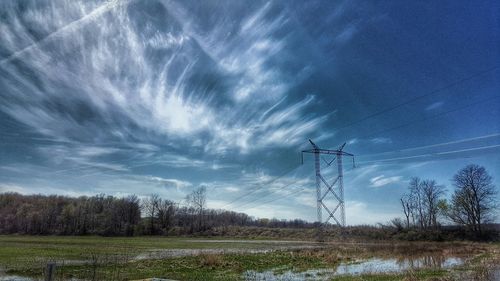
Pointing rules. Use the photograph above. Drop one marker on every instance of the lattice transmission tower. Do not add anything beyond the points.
(335, 188)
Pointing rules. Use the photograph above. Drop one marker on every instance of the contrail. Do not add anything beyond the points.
(468, 149)
(432, 154)
(453, 142)
(71, 27)
(434, 145)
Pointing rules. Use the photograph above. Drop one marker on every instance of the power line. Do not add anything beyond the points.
(447, 86)
(302, 188)
(277, 190)
(434, 145)
(270, 193)
(261, 186)
(295, 192)
(432, 154)
(431, 117)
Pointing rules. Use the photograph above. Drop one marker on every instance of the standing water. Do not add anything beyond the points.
(372, 265)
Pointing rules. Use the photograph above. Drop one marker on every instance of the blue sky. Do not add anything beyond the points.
(142, 97)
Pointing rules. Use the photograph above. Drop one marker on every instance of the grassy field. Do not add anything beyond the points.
(17, 251)
(102, 258)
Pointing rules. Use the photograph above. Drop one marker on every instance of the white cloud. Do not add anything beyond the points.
(112, 75)
(232, 189)
(245, 53)
(269, 211)
(46, 189)
(361, 213)
(178, 161)
(92, 151)
(383, 180)
(171, 182)
(347, 34)
(352, 141)
(435, 105)
(381, 140)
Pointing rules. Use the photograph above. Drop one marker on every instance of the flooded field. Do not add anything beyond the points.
(368, 266)
(265, 260)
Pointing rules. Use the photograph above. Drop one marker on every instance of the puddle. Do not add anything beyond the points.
(377, 265)
(15, 278)
(496, 274)
(20, 278)
(175, 253)
(250, 241)
(373, 265)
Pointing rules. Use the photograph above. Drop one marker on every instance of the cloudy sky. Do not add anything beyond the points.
(141, 97)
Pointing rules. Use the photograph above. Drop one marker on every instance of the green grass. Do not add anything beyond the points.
(203, 267)
(228, 267)
(27, 255)
(21, 251)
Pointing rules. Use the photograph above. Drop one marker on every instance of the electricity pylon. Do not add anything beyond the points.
(336, 188)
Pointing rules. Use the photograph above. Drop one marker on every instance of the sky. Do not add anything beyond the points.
(142, 97)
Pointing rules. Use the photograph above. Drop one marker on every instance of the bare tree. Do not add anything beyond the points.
(197, 200)
(407, 210)
(431, 193)
(166, 212)
(474, 199)
(417, 202)
(397, 223)
(150, 206)
(422, 203)
(111, 216)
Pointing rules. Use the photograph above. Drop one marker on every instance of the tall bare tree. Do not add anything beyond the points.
(150, 206)
(422, 204)
(197, 200)
(406, 204)
(474, 199)
(417, 202)
(431, 193)
(166, 212)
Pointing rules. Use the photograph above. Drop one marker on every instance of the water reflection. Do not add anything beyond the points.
(436, 261)
(381, 265)
(372, 265)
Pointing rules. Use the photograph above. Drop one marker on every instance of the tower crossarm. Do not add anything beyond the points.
(327, 151)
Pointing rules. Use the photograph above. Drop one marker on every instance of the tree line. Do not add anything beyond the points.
(113, 216)
(472, 204)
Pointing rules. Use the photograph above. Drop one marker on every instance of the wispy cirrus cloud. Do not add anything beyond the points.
(171, 182)
(383, 180)
(162, 96)
(434, 105)
(135, 79)
(381, 140)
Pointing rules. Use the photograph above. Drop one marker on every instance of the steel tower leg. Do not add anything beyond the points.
(341, 188)
(318, 186)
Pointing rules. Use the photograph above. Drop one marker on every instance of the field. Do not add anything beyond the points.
(102, 258)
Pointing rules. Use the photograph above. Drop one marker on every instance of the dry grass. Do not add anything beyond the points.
(99, 265)
(211, 260)
(326, 255)
(410, 276)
